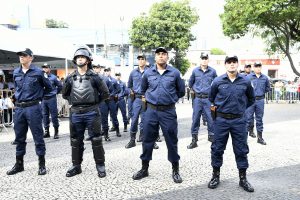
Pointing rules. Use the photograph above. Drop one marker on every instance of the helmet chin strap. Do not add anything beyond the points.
(82, 65)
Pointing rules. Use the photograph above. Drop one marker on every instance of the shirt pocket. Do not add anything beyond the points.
(224, 89)
(241, 90)
(32, 81)
(19, 81)
(152, 82)
(169, 82)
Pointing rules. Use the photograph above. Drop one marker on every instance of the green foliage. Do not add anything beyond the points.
(168, 24)
(217, 51)
(275, 21)
(51, 23)
(181, 63)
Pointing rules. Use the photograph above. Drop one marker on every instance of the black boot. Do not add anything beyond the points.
(143, 172)
(215, 180)
(118, 132)
(77, 153)
(125, 127)
(175, 174)
(260, 140)
(42, 167)
(47, 133)
(99, 158)
(55, 133)
(251, 132)
(112, 129)
(155, 146)
(194, 142)
(106, 137)
(141, 136)
(131, 143)
(18, 167)
(244, 182)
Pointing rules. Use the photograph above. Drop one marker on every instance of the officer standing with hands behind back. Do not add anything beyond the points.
(49, 103)
(162, 87)
(30, 85)
(84, 90)
(231, 94)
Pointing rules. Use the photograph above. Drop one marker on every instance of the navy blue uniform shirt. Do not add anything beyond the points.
(56, 85)
(232, 97)
(261, 85)
(200, 81)
(113, 86)
(135, 80)
(31, 85)
(162, 89)
(123, 89)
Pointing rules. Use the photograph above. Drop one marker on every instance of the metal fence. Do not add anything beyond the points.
(282, 96)
(6, 109)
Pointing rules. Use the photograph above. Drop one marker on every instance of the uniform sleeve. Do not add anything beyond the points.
(250, 94)
(66, 89)
(102, 87)
(130, 82)
(46, 82)
(213, 91)
(180, 86)
(192, 80)
(144, 84)
(58, 85)
(268, 87)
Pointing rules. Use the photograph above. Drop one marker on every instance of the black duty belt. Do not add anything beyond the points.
(80, 109)
(161, 107)
(228, 115)
(27, 103)
(259, 97)
(47, 98)
(138, 96)
(202, 96)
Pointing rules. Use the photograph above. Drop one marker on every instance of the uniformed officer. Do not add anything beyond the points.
(247, 69)
(49, 103)
(135, 96)
(84, 90)
(261, 85)
(121, 104)
(30, 85)
(231, 94)
(200, 82)
(162, 87)
(110, 106)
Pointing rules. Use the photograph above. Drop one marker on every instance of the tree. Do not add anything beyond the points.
(277, 22)
(51, 23)
(217, 51)
(168, 24)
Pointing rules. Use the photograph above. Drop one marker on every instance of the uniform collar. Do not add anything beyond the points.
(168, 68)
(225, 76)
(31, 67)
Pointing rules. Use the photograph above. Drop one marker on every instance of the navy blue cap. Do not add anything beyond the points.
(27, 51)
(231, 57)
(161, 49)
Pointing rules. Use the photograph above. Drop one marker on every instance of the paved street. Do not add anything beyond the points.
(274, 169)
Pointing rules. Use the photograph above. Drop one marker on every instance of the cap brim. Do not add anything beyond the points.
(161, 50)
(22, 53)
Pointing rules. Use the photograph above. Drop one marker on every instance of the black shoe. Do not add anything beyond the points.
(112, 129)
(194, 142)
(175, 174)
(47, 133)
(101, 170)
(261, 141)
(214, 182)
(125, 128)
(42, 170)
(155, 146)
(140, 174)
(252, 134)
(74, 170)
(118, 132)
(55, 137)
(130, 144)
(210, 138)
(16, 169)
(246, 185)
(107, 138)
(55, 133)
(14, 142)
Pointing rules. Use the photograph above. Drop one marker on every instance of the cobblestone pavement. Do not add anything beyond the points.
(274, 169)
